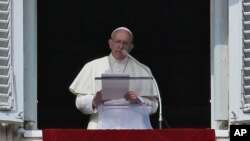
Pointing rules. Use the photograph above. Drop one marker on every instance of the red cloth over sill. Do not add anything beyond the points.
(129, 135)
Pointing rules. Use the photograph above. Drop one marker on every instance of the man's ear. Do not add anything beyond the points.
(132, 46)
(110, 43)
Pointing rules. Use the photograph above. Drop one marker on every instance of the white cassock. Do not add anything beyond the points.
(84, 84)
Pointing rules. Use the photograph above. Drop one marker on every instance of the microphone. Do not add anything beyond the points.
(125, 53)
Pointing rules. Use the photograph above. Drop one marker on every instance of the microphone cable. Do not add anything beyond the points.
(125, 53)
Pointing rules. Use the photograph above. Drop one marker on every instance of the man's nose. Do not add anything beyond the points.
(121, 45)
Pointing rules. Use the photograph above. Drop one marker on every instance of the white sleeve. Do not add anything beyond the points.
(150, 101)
(84, 103)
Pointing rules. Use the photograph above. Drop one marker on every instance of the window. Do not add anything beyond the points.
(11, 61)
(6, 92)
(246, 57)
(239, 62)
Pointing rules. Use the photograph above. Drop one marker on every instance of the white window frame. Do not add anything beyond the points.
(16, 114)
(236, 114)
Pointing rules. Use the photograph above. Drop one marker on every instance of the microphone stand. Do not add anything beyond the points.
(125, 53)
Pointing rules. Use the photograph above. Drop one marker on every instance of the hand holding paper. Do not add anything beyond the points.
(131, 96)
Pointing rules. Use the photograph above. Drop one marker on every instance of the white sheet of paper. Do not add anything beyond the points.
(114, 86)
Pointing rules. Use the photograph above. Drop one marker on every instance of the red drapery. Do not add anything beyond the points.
(129, 135)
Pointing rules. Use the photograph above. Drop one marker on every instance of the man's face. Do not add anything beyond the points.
(119, 42)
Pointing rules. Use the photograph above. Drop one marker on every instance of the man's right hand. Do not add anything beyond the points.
(98, 98)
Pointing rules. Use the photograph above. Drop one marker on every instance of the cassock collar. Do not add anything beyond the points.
(113, 60)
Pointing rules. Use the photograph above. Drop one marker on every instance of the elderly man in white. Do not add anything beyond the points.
(116, 62)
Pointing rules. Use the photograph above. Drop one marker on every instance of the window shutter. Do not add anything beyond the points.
(11, 61)
(6, 96)
(246, 57)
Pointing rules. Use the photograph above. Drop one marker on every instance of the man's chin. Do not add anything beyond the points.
(120, 57)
